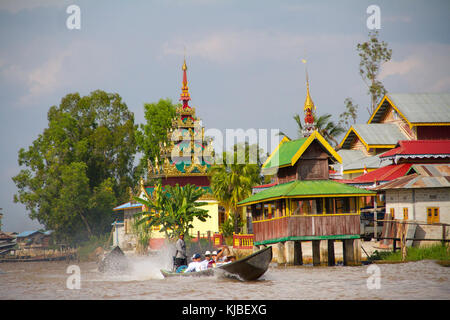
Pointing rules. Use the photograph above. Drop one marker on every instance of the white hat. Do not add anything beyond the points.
(214, 253)
(207, 253)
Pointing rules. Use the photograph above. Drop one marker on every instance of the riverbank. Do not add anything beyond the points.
(437, 252)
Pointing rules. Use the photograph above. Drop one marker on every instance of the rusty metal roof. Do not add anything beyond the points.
(432, 170)
(414, 181)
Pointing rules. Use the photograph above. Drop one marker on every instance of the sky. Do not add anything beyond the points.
(243, 57)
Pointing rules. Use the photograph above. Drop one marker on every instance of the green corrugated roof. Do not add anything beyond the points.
(284, 154)
(305, 188)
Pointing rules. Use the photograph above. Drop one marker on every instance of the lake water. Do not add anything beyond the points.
(48, 280)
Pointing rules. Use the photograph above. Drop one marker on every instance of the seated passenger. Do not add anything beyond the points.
(205, 264)
(195, 264)
(230, 259)
(214, 259)
(220, 257)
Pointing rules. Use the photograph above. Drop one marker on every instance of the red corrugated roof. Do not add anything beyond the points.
(387, 173)
(419, 147)
(266, 185)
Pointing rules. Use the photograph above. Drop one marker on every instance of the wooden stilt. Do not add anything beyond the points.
(298, 256)
(316, 252)
(331, 259)
(349, 256)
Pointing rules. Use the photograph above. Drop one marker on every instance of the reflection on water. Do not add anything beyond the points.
(47, 280)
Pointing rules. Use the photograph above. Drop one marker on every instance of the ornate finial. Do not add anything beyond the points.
(309, 104)
(141, 182)
(308, 108)
(185, 96)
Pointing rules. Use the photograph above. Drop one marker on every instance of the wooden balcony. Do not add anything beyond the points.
(307, 227)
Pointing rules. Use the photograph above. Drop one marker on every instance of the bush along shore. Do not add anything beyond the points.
(438, 252)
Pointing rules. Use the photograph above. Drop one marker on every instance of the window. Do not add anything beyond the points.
(405, 213)
(222, 214)
(341, 205)
(294, 207)
(256, 212)
(307, 206)
(432, 215)
(329, 206)
(266, 211)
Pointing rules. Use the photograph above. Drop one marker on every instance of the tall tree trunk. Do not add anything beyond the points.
(86, 224)
(236, 221)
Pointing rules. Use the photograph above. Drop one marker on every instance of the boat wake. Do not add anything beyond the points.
(141, 268)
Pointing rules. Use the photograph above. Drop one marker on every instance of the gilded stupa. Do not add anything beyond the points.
(188, 155)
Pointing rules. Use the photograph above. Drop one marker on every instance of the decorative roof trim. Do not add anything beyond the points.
(368, 146)
(359, 170)
(386, 98)
(307, 143)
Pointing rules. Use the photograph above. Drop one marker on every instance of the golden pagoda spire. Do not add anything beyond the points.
(185, 96)
(308, 109)
(309, 104)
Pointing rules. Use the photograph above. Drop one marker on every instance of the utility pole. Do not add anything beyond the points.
(1, 216)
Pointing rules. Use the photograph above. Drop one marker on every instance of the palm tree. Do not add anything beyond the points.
(328, 129)
(173, 209)
(232, 182)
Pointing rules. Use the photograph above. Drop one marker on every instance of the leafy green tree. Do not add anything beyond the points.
(158, 118)
(327, 128)
(80, 166)
(173, 208)
(348, 117)
(373, 53)
(232, 180)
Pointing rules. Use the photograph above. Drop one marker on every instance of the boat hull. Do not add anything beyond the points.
(249, 268)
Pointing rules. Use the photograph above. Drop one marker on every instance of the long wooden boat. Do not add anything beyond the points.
(249, 268)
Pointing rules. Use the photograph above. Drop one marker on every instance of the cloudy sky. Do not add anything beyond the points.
(244, 60)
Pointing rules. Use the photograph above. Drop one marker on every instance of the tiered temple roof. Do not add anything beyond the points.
(188, 153)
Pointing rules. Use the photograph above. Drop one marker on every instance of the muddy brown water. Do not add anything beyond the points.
(48, 280)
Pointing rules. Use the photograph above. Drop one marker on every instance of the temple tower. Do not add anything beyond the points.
(187, 156)
(308, 109)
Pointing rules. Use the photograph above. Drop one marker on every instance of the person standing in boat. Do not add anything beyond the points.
(180, 255)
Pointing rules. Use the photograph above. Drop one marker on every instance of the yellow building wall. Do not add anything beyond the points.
(211, 224)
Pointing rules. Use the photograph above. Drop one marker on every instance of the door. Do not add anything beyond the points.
(433, 215)
(405, 213)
